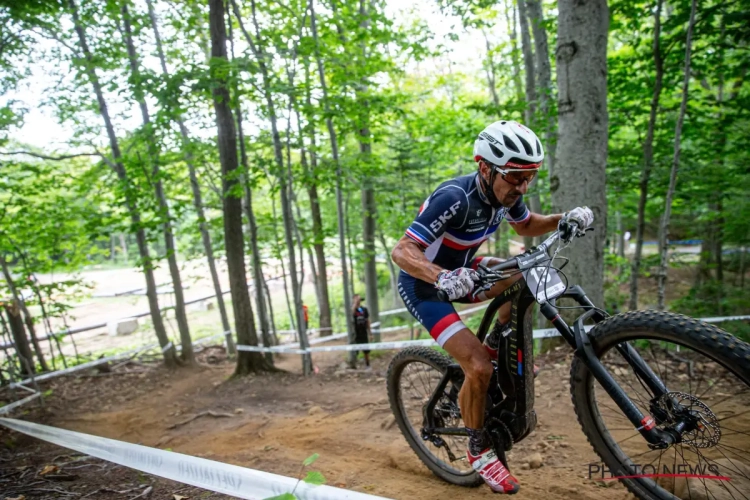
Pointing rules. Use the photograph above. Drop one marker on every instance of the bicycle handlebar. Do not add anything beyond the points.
(566, 232)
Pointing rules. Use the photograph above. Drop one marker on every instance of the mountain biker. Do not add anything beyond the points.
(438, 253)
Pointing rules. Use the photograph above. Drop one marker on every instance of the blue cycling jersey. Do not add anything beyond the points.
(456, 219)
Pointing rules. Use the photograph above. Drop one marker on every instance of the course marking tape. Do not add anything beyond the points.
(167, 347)
(223, 478)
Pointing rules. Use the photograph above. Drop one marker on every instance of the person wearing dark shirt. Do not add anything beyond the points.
(438, 253)
(361, 320)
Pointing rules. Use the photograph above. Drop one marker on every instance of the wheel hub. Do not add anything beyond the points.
(690, 418)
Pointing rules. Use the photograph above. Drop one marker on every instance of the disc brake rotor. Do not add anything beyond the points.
(704, 430)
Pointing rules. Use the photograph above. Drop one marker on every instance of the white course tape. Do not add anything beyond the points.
(721, 319)
(167, 347)
(214, 476)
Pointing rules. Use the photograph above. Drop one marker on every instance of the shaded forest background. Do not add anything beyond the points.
(298, 139)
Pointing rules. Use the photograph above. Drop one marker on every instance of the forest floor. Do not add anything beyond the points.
(274, 422)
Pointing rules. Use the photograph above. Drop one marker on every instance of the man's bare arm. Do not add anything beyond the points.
(537, 224)
(409, 256)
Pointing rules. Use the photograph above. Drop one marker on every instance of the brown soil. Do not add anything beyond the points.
(277, 421)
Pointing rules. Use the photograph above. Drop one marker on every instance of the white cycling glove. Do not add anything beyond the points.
(583, 216)
(458, 283)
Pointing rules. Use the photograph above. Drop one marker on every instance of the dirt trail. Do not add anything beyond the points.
(278, 420)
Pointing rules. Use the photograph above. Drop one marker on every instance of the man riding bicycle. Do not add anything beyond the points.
(437, 253)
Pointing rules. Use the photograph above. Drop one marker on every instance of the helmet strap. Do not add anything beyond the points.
(489, 193)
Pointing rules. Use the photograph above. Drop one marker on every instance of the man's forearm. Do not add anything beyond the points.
(537, 225)
(408, 255)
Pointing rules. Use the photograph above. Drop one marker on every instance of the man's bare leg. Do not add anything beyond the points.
(475, 362)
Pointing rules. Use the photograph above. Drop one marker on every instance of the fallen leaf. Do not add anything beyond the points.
(49, 469)
(20, 497)
(179, 497)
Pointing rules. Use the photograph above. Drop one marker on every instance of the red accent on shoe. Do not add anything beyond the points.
(497, 477)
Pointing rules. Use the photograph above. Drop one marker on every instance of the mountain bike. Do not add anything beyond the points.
(658, 395)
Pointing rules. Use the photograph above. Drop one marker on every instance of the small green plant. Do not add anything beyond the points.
(312, 477)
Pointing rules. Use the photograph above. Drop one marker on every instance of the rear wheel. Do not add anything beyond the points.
(413, 377)
(707, 374)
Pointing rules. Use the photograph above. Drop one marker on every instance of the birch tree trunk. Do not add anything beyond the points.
(186, 342)
(664, 229)
(196, 191)
(339, 197)
(648, 159)
(579, 178)
(227, 141)
(168, 349)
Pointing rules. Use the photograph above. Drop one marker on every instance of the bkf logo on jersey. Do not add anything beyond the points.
(447, 215)
(498, 216)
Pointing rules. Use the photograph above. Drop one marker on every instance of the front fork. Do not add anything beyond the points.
(580, 341)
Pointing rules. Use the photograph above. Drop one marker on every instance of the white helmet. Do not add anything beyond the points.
(508, 143)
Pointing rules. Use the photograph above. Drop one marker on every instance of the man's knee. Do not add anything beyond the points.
(478, 367)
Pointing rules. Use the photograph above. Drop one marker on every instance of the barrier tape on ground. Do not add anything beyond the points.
(207, 474)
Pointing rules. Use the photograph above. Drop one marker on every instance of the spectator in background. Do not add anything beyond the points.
(306, 317)
(362, 332)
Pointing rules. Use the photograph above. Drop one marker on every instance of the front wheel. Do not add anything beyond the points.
(413, 377)
(707, 375)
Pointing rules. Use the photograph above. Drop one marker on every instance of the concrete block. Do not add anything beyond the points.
(124, 326)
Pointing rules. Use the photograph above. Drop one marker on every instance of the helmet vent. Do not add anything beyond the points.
(496, 151)
(526, 146)
(538, 148)
(510, 144)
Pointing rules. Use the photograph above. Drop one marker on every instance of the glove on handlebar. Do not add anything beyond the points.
(458, 283)
(582, 216)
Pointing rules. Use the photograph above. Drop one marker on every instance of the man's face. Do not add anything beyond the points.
(506, 193)
(356, 300)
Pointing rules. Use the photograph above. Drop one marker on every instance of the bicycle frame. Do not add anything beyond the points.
(510, 413)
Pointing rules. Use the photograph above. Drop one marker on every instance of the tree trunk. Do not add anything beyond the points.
(227, 140)
(257, 271)
(270, 311)
(339, 197)
(392, 271)
(517, 85)
(317, 226)
(186, 342)
(286, 208)
(27, 318)
(530, 115)
(664, 230)
(196, 190)
(168, 349)
(579, 178)
(491, 75)
(124, 245)
(543, 80)
(648, 159)
(369, 207)
(15, 322)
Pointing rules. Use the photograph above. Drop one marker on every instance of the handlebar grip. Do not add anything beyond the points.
(442, 296)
